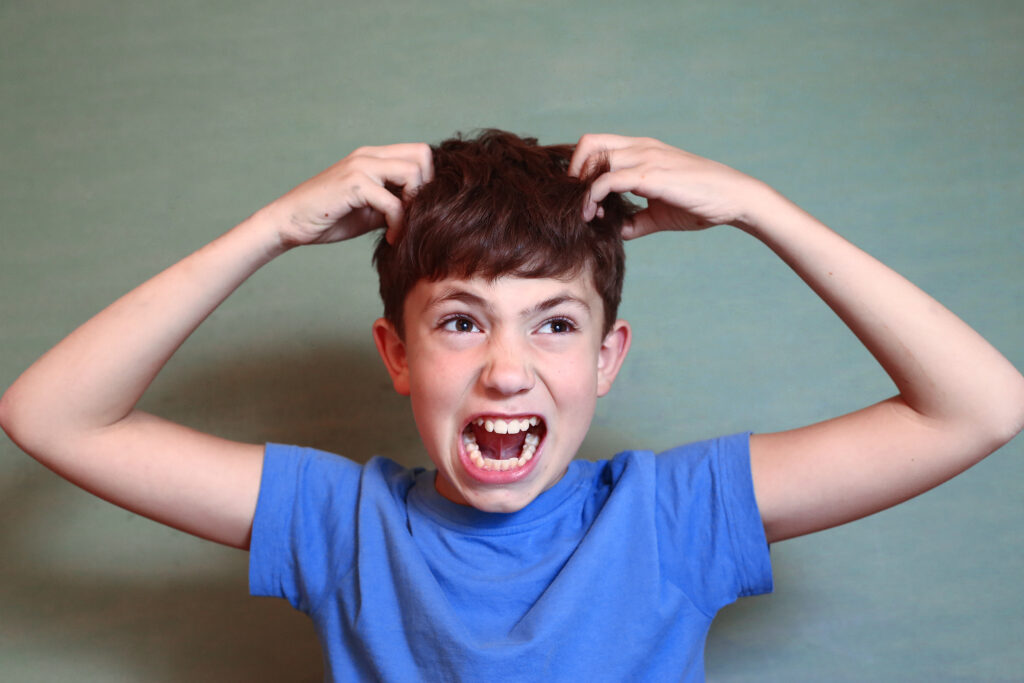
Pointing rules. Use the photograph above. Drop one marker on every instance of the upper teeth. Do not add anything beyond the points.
(513, 426)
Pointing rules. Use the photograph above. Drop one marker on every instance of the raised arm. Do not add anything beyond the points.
(74, 408)
(958, 400)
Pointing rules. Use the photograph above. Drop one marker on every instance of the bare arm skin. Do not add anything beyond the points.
(74, 409)
(958, 400)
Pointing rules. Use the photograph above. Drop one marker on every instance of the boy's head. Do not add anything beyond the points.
(500, 315)
(499, 205)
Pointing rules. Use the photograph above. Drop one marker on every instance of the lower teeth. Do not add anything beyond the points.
(496, 464)
(499, 465)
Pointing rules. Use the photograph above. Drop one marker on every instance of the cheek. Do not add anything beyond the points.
(574, 390)
(576, 375)
(437, 385)
(438, 378)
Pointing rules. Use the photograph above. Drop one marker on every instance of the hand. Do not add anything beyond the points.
(683, 191)
(353, 196)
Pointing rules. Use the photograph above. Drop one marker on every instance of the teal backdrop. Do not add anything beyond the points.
(133, 132)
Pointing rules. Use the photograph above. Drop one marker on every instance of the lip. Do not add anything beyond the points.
(498, 477)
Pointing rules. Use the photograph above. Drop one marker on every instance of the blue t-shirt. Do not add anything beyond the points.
(614, 573)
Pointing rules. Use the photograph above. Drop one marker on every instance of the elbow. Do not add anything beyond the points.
(17, 421)
(9, 414)
(6, 411)
(1005, 419)
(988, 418)
(1016, 422)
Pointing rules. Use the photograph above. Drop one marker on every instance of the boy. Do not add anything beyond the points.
(500, 272)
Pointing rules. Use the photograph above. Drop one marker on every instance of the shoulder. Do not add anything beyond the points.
(724, 456)
(301, 475)
(712, 471)
(303, 532)
(709, 525)
(303, 466)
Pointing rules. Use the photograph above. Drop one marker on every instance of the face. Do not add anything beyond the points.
(503, 376)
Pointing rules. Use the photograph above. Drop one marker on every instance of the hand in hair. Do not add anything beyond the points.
(75, 409)
(683, 191)
(354, 196)
(958, 399)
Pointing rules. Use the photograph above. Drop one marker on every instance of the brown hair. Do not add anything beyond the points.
(499, 204)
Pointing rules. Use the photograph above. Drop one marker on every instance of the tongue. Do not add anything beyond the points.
(498, 446)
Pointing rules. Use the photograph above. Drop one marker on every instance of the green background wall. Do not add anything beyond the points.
(133, 132)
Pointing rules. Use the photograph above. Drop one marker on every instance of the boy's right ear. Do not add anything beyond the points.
(392, 352)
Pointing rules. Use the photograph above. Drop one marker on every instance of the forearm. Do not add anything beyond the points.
(944, 370)
(94, 377)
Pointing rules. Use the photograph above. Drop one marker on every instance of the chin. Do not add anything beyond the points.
(501, 503)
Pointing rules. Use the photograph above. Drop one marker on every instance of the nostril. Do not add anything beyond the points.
(508, 378)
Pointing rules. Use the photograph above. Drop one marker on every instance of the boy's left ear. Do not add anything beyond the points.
(611, 354)
(392, 352)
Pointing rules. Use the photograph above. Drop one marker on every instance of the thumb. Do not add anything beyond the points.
(641, 223)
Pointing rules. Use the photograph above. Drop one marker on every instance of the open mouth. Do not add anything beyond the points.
(501, 443)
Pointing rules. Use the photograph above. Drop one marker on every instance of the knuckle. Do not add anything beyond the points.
(355, 180)
(428, 154)
(587, 140)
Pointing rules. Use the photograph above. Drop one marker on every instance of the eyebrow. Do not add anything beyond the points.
(554, 302)
(470, 299)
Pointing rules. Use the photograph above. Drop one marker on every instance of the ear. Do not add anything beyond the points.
(611, 354)
(392, 352)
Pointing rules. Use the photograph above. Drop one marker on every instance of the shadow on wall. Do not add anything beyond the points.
(93, 609)
(316, 392)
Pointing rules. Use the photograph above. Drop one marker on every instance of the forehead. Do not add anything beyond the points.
(505, 296)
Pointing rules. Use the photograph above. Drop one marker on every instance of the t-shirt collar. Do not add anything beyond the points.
(425, 497)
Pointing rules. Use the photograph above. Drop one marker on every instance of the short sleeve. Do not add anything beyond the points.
(302, 533)
(710, 534)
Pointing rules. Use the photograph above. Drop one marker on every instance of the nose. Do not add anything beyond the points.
(508, 370)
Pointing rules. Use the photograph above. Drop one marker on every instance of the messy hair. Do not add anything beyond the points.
(500, 204)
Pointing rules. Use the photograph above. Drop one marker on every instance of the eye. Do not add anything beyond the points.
(557, 326)
(459, 323)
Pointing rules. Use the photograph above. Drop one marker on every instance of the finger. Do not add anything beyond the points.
(619, 150)
(624, 180)
(403, 150)
(417, 153)
(643, 156)
(592, 146)
(378, 198)
(397, 172)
